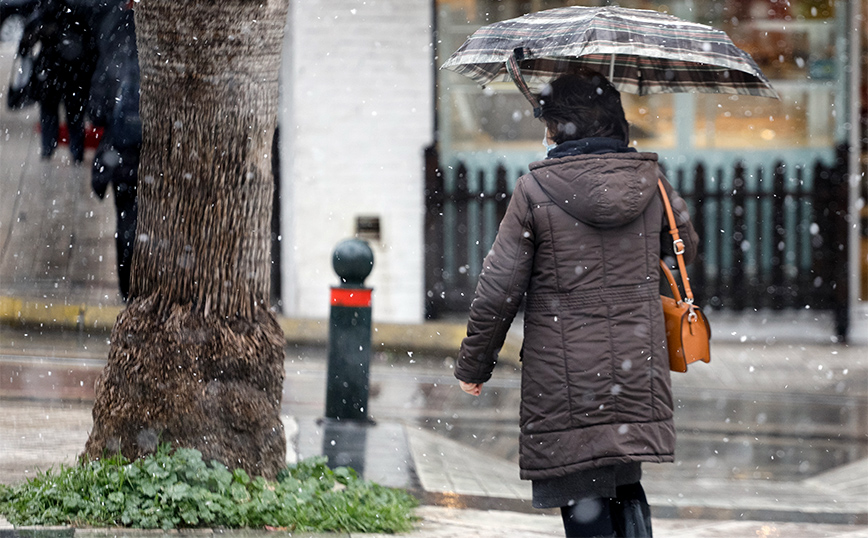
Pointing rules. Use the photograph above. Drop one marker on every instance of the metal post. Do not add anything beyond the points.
(349, 353)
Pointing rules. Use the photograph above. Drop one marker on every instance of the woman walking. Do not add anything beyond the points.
(579, 246)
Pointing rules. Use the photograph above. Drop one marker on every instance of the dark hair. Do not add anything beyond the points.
(583, 105)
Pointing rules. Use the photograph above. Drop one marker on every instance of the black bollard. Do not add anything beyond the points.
(349, 333)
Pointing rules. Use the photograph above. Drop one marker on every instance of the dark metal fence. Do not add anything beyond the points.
(773, 235)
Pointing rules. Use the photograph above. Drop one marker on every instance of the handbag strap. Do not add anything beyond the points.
(676, 293)
(678, 245)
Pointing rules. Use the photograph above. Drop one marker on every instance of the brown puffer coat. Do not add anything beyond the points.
(581, 238)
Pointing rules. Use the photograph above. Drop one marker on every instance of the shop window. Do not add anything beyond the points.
(793, 41)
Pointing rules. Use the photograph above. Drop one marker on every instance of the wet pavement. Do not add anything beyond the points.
(772, 437)
(774, 434)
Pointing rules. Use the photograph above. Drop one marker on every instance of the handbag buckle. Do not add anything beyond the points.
(678, 245)
(691, 311)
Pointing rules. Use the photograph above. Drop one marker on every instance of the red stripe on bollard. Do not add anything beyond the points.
(351, 297)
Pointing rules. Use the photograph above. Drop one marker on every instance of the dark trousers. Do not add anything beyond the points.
(49, 121)
(626, 515)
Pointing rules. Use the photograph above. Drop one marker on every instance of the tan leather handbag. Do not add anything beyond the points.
(687, 331)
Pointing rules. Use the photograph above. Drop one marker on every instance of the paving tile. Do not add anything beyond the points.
(470, 471)
(51, 202)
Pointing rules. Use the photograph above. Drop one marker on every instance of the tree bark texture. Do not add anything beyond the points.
(196, 358)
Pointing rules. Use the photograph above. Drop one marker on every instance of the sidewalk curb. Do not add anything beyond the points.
(29, 312)
(757, 514)
(427, 337)
(658, 510)
(125, 532)
(37, 532)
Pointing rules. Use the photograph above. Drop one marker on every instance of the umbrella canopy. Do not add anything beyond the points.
(640, 51)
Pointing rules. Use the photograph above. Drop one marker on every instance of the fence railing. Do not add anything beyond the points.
(769, 224)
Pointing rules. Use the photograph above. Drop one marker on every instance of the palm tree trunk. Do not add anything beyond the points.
(196, 359)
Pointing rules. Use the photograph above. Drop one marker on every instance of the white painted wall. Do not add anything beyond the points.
(357, 112)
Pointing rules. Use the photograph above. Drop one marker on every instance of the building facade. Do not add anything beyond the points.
(378, 143)
(357, 115)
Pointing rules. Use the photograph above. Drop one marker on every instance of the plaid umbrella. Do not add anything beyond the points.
(642, 52)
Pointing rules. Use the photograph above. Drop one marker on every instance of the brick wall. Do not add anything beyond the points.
(357, 114)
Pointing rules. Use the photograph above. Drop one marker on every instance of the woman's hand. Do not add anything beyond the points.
(474, 389)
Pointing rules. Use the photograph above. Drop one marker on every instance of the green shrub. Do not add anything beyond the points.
(176, 489)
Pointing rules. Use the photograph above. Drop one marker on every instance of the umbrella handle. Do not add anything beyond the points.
(515, 72)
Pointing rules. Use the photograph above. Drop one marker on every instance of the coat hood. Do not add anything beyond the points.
(602, 190)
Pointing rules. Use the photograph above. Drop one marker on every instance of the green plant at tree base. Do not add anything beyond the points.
(176, 489)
